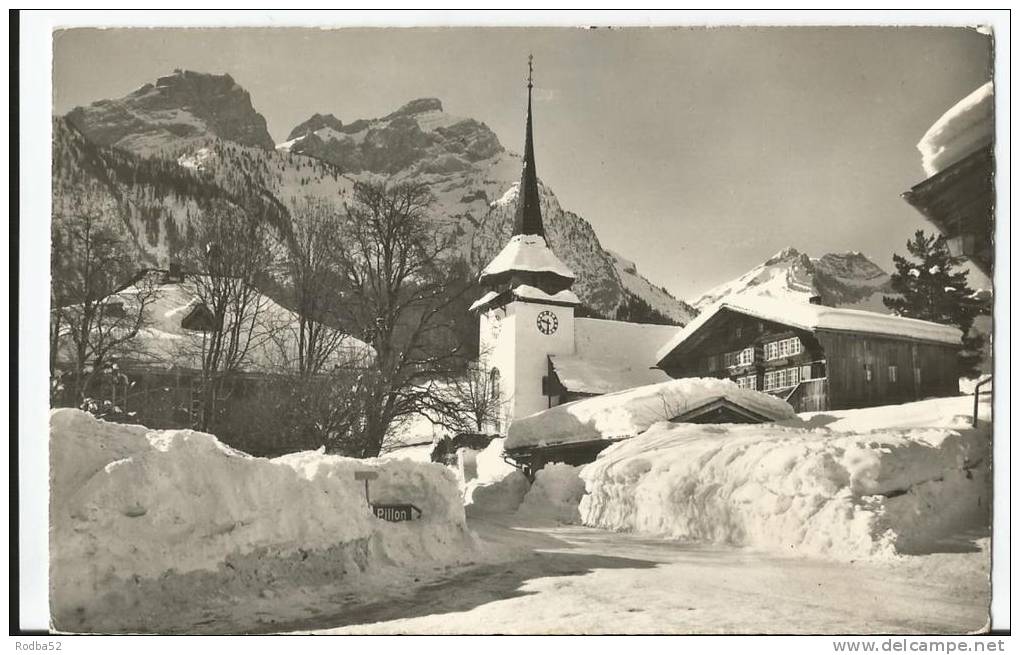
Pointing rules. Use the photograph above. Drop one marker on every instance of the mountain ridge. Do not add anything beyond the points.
(846, 279)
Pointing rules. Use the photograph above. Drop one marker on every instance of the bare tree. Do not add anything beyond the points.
(471, 402)
(399, 293)
(94, 315)
(311, 263)
(231, 254)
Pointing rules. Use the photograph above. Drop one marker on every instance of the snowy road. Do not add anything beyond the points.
(580, 580)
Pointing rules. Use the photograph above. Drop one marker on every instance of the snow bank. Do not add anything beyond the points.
(953, 412)
(490, 462)
(499, 487)
(496, 496)
(136, 513)
(555, 494)
(630, 412)
(795, 490)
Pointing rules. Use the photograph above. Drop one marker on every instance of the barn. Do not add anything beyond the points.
(816, 357)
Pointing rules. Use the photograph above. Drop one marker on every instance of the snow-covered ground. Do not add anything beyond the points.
(578, 580)
(145, 522)
(174, 532)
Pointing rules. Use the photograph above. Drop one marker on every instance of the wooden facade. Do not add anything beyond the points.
(815, 370)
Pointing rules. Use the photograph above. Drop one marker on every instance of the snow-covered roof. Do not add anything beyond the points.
(966, 127)
(163, 342)
(807, 316)
(631, 343)
(630, 412)
(527, 252)
(598, 376)
(486, 298)
(612, 355)
(528, 292)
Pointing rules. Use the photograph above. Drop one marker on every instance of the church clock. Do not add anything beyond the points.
(547, 322)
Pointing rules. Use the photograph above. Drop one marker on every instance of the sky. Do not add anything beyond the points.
(696, 152)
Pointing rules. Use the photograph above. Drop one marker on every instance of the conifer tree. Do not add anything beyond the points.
(932, 287)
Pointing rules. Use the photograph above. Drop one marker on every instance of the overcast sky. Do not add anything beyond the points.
(695, 152)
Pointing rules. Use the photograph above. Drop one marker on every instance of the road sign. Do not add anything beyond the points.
(366, 476)
(396, 513)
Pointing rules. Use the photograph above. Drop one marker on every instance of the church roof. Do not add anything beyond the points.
(598, 376)
(612, 355)
(527, 250)
(528, 219)
(528, 292)
(634, 344)
(526, 253)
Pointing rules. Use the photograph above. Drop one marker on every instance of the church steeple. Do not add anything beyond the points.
(528, 219)
(526, 266)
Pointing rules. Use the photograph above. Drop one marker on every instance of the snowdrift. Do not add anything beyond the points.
(142, 519)
(817, 492)
(631, 412)
(555, 494)
(499, 487)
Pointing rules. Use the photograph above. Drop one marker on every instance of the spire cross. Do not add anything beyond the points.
(530, 57)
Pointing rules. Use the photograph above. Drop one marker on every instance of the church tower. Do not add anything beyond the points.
(527, 312)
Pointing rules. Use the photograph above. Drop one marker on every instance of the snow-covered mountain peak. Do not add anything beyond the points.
(840, 279)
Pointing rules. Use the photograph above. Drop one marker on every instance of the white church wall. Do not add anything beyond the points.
(531, 350)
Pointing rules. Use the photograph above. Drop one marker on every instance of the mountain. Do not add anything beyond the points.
(841, 280)
(474, 179)
(195, 138)
(179, 108)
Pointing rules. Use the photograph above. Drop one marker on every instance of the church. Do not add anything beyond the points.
(813, 357)
(529, 338)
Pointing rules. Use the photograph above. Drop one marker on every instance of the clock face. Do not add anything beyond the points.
(547, 322)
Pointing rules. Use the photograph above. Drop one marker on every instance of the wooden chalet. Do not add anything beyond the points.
(958, 197)
(157, 379)
(817, 358)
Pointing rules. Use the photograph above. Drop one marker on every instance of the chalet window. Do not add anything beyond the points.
(729, 359)
(782, 378)
(745, 357)
(783, 348)
(739, 331)
(892, 373)
(748, 382)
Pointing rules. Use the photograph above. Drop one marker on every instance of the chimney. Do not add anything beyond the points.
(815, 300)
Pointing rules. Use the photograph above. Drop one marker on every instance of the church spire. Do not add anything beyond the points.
(528, 219)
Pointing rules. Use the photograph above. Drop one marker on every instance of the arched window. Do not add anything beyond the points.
(494, 394)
